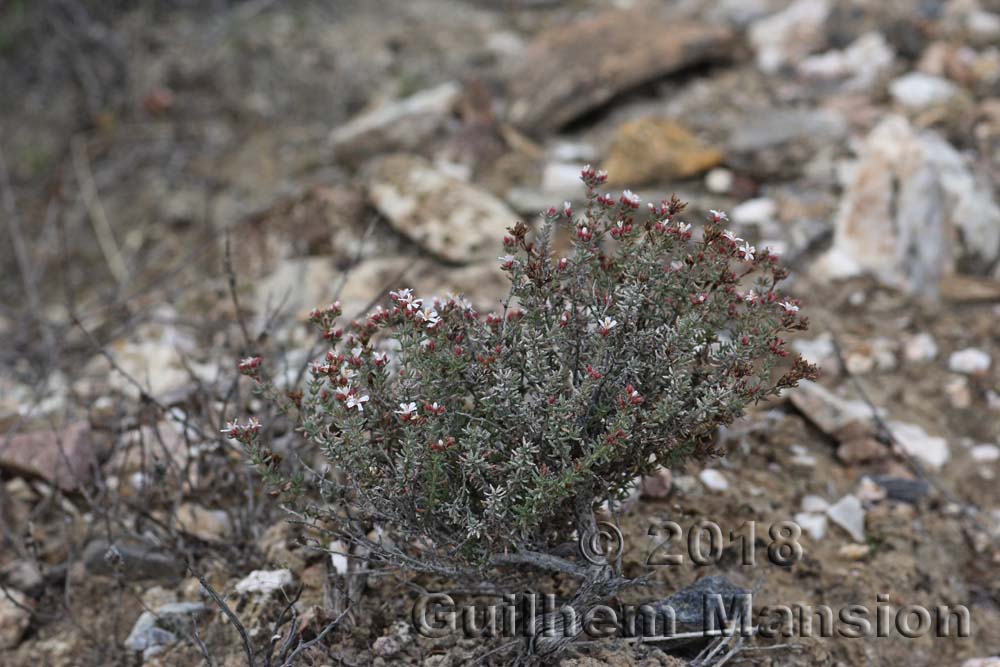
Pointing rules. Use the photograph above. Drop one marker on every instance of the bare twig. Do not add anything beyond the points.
(21, 252)
(221, 604)
(315, 640)
(231, 280)
(95, 211)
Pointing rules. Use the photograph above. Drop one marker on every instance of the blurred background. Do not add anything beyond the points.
(181, 180)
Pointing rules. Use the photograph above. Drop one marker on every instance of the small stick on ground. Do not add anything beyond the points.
(95, 211)
(221, 604)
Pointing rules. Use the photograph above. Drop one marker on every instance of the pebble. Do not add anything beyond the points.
(562, 178)
(916, 442)
(802, 457)
(969, 361)
(713, 479)
(902, 489)
(657, 484)
(819, 351)
(985, 453)
(339, 559)
(920, 347)
(958, 392)
(917, 91)
(849, 515)
(264, 582)
(870, 492)
(814, 524)
(155, 630)
(859, 66)
(760, 211)
(14, 618)
(787, 36)
(719, 181)
(813, 503)
(853, 551)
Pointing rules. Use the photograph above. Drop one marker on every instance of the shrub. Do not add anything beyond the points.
(484, 437)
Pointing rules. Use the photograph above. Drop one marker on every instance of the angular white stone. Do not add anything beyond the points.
(713, 479)
(916, 442)
(849, 515)
(814, 524)
(969, 361)
(265, 582)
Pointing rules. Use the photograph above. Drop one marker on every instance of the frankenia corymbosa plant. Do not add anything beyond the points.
(480, 436)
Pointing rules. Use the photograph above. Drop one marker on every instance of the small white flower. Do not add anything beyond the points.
(683, 227)
(718, 216)
(430, 316)
(403, 295)
(789, 307)
(731, 237)
(748, 251)
(356, 351)
(407, 409)
(602, 174)
(381, 358)
(631, 197)
(607, 324)
(750, 297)
(357, 402)
(344, 392)
(507, 260)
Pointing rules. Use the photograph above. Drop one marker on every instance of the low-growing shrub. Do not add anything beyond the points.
(479, 439)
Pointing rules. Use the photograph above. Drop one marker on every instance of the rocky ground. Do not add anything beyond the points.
(181, 181)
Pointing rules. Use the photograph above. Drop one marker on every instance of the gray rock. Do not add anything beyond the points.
(778, 142)
(132, 559)
(691, 603)
(569, 70)
(902, 489)
(154, 630)
(451, 219)
(65, 458)
(399, 125)
(908, 197)
(15, 618)
(789, 35)
(856, 68)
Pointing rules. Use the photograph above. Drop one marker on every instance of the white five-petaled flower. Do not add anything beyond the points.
(631, 197)
(430, 316)
(407, 410)
(683, 227)
(358, 402)
(748, 251)
(607, 324)
(405, 295)
(718, 216)
(731, 237)
(789, 307)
